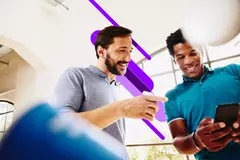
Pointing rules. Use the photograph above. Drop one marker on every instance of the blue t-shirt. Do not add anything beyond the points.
(193, 100)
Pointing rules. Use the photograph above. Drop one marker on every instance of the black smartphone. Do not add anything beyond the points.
(227, 113)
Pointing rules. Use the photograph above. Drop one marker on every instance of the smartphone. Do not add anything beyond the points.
(227, 113)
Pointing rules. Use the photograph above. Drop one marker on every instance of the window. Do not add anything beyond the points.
(226, 50)
(6, 116)
(226, 62)
(166, 152)
(163, 83)
(224, 54)
(158, 64)
(179, 77)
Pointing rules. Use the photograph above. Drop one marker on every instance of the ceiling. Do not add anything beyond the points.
(4, 50)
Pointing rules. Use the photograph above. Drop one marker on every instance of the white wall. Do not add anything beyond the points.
(17, 81)
(23, 85)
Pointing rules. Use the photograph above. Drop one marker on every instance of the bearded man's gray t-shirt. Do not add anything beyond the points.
(85, 89)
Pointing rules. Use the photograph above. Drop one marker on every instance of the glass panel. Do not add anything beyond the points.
(204, 57)
(226, 62)
(2, 122)
(158, 64)
(140, 65)
(192, 157)
(9, 120)
(3, 107)
(137, 132)
(166, 152)
(179, 77)
(10, 107)
(163, 83)
(222, 51)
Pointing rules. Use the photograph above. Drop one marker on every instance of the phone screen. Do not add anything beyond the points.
(227, 113)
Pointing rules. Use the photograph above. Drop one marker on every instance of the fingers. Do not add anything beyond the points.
(216, 149)
(226, 139)
(205, 122)
(219, 144)
(236, 135)
(237, 123)
(148, 117)
(223, 141)
(151, 111)
(151, 97)
(236, 139)
(153, 106)
(213, 127)
(220, 134)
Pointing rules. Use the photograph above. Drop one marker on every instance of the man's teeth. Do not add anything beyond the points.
(123, 65)
(191, 68)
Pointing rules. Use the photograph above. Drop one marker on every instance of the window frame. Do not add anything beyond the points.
(6, 113)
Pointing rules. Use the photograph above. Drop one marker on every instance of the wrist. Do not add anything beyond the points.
(120, 108)
(198, 144)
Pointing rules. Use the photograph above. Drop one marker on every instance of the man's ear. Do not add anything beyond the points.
(101, 51)
(173, 59)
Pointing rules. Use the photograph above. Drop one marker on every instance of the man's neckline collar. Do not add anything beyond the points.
(207, 70)
(96, 70)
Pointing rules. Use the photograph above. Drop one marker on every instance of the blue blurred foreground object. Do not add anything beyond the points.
(44, 134)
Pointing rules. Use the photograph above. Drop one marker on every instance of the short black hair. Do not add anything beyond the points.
(105, 37)
(173, 39)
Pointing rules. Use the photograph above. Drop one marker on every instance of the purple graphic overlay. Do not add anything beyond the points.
(128, 85)
(105, 14)
(135, 92)
(160, 115)
(154, 129)
(94, 36)
(139, 78)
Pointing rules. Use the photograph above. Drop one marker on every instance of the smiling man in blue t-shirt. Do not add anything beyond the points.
(192, 104)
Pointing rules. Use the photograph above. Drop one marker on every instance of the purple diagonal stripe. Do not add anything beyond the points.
(135, 92)
(140, 79)
(154, 129)
(141, 49)
(100, 9)
(106, 15)
(128, 85)
(137, 82)
(160, 115)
